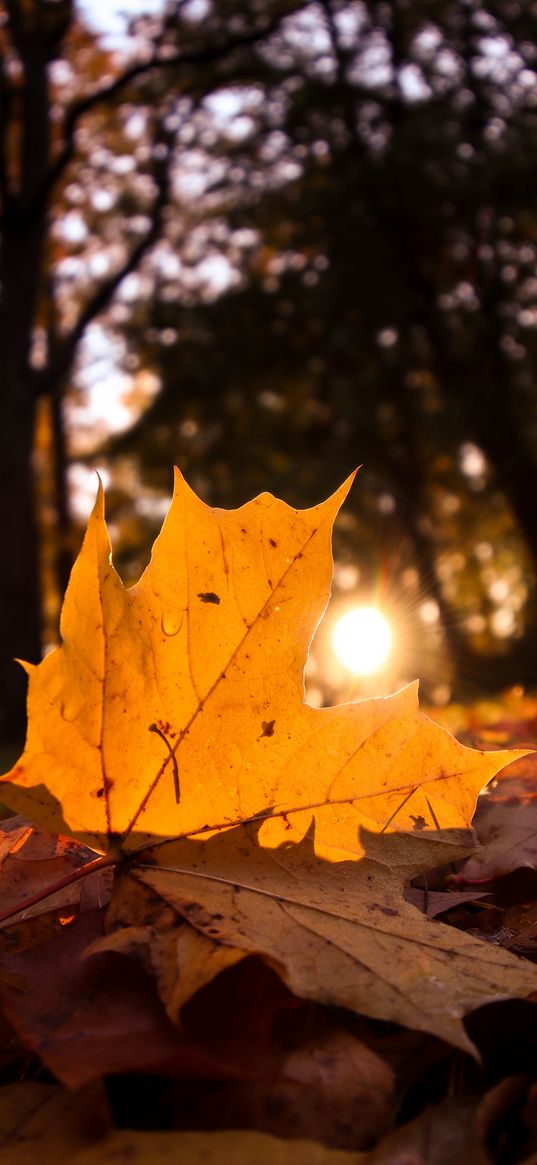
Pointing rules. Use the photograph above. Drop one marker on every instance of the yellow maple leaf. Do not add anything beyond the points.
(171, 721)
(177, 706)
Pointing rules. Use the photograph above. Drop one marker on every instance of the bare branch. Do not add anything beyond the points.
(6, 96)
(63, 350)
(108, 92)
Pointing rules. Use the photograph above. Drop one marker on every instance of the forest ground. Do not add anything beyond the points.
(353, 1084)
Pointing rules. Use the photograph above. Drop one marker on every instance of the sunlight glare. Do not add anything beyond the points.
(362, 640)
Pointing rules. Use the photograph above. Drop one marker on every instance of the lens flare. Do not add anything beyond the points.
(362, 640)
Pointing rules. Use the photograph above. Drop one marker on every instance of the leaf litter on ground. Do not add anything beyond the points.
(168, 733)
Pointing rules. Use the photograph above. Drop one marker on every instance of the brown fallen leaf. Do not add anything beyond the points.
(329, 1087)
(32, 859)
(520, 922)
(340, 933)
(506, 824)
(305, 1074)
(182, 959)
(435, 902)
(89, 1017)
(148, 724)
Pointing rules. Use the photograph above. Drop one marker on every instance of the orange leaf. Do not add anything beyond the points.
(150, 720)
(172, 719)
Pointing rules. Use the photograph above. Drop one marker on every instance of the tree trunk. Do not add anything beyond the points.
(20, 616)
(20, 624)
(24, 223)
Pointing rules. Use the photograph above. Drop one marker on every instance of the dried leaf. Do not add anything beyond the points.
(150, 722)
(340, 933)
(330, 1088)
(435, 902)
(506, 824)
(31, 859)
(209, 646)
(86, 1018)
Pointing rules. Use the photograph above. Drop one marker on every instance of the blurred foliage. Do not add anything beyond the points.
(382, 309)
(278, 239)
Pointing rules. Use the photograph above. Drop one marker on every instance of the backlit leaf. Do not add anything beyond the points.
(171, 722)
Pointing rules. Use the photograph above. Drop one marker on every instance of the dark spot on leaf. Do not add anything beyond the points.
(419, 822)
(100, 792)
(208, 597)
(217, 917)
(272, 542)
(389, 910)
(267, 727)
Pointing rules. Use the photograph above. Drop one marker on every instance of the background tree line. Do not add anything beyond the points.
(295, 237)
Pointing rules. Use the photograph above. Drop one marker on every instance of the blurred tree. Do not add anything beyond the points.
(295, 226)
(386, 311)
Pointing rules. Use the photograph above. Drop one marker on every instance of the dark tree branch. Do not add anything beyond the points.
(346, 93)
(6, 101)
(205, 56)
(51, 379)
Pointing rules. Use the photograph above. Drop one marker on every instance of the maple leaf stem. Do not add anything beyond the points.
(68, 879)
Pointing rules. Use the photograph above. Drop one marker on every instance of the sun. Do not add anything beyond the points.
(362, 640)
